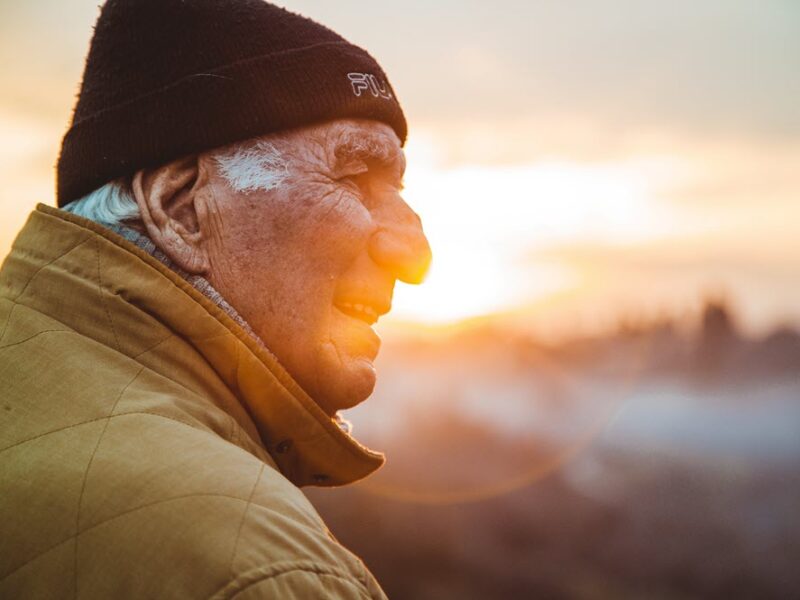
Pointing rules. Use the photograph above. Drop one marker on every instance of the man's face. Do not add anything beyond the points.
(311, 264)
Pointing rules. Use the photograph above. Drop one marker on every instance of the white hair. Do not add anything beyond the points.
(247, 167)
(110, 204)
(251, 167)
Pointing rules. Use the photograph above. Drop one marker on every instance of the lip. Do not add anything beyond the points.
(362, 312)
(367, 310)
(366, 341)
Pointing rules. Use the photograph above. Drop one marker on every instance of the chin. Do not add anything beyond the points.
(344, 384)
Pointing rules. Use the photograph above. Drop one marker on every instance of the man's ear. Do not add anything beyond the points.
(167, 202)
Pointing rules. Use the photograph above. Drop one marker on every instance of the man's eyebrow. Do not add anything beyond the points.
(366, 147)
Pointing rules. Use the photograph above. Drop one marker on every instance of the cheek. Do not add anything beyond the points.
(294, 244)
(336, 229)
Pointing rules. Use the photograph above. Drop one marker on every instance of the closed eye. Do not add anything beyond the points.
(362, 175)
(351, 179)
(354, 172)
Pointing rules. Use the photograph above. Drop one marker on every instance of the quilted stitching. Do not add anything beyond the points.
(241, 522)
(254, 577)
(35, 335)
(89, 421)
(108, 418)
(46, 265)
(8, 320)
(103, 297)
(72, 537)
(170, 335)
(89, 466)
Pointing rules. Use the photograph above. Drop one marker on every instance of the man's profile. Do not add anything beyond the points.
(176, 340)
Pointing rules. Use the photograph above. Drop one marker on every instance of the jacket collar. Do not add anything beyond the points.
(307, 445)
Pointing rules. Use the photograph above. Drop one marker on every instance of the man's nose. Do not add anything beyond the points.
(400, 246)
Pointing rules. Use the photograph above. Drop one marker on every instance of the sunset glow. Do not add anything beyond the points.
(486, 223)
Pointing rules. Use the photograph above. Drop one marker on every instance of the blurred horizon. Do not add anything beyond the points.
(571, 165)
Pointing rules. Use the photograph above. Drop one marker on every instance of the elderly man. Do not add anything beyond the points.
(176, 342)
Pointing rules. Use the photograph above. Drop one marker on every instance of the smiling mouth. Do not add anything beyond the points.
(362, 312)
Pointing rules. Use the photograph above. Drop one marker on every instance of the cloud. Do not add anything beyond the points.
(711, 67)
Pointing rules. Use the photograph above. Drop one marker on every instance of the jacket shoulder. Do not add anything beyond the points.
(213, 518)
(145, 494)
(166, 510)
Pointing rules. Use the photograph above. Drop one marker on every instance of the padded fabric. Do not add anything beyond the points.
(148, 447)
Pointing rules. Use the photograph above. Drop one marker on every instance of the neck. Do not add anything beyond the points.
(201, 284)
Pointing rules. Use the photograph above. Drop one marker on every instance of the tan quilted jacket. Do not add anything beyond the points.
(150, 448)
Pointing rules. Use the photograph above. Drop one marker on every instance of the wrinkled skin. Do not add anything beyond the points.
(294, 261)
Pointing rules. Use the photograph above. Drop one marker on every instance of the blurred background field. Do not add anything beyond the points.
(596, 393)
(648, 462)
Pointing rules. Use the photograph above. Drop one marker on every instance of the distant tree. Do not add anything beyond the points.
(777, 354)
(717, 341)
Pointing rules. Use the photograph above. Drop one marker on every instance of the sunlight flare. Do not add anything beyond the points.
(484, 223)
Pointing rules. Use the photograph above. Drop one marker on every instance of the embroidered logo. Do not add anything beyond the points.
(363, 82)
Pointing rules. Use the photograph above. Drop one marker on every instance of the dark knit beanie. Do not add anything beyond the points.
(169, 78)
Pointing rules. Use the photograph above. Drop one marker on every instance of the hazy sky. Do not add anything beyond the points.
(564, 156)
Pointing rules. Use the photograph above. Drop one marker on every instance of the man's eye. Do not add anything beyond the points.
(355, 180)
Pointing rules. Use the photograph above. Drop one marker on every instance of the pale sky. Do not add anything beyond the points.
(569, 161)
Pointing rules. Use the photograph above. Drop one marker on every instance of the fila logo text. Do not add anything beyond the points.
(367, 82)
